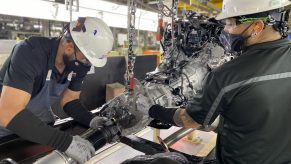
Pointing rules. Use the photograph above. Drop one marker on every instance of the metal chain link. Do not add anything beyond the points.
(129, 75)
(165, 10)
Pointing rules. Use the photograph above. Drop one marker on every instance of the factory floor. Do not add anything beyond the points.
(199, 143)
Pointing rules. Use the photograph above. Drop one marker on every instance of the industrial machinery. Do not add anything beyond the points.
(176, 79)
(186, 61)
(191, 49)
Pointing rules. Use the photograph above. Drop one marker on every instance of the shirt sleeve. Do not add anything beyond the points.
(205, 106)
(21, 71)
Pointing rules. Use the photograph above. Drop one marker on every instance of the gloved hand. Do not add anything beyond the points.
(99, 121)
(159, 124)
(80, 150)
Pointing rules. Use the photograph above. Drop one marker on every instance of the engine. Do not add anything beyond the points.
(194, 51)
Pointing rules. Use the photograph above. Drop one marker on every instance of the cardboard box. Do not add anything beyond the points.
(113, 90)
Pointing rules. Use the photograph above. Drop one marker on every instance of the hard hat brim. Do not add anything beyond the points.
(98, 62)
(248, 11)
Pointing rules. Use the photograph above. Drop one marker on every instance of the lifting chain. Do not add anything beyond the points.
(165, 10)
(129, 75)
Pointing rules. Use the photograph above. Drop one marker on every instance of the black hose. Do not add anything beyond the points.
(102, 136)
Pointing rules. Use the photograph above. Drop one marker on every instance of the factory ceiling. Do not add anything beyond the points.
(205, 6)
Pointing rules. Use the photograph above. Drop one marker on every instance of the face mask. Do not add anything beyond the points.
(75, 65)
(233, 42)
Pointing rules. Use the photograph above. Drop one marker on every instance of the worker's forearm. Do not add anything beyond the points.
(80, 114)
(7, 115)
(181, 118)
(69, 96)
(29, 127)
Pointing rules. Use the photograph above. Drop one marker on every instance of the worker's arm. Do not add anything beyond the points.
(20, 72)
(182, 118)
(12, 101)
(174, 116)
(22, 122)
(71, 104)
(70, 100)
(199, 110)
(69, 95)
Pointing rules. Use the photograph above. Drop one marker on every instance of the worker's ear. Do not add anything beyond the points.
(69, 47)
(258, 28)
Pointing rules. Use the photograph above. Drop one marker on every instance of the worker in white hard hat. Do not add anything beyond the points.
(260, 17)
(41, 71)
(251, 93)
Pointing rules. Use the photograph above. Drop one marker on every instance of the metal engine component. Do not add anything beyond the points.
(177, 78)
(55, 157)
(7, 161)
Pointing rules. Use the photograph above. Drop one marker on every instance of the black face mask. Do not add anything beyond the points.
(75, 66)
(233, 43)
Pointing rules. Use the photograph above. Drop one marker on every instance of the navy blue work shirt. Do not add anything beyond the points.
(27, 66)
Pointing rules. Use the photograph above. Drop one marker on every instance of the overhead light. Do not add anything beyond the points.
(57, 1)
(153, 2)
(37, 26)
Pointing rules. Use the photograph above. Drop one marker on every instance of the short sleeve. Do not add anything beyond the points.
(22, 70)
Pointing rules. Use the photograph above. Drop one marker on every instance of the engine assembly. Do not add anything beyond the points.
(185, 63)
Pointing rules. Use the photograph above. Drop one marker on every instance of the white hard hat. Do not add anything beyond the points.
(94, 39)
(234, 8)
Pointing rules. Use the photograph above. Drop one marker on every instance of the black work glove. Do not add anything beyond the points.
(159, 124)
(164, 115)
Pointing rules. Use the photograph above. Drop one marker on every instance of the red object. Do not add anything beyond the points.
(131, 83)
(158, 36)
(160, 27)
(160, 23)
